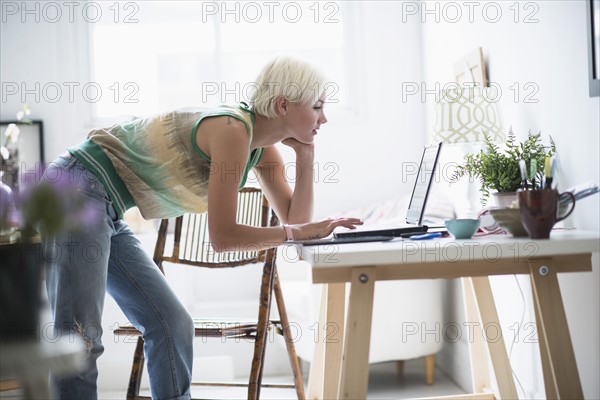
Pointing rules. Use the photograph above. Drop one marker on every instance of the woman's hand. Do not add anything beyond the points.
(321, 229)
(298, 146)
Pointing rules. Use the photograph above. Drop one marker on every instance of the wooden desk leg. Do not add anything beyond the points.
(496, 346)
(549, 383)
(355, 362)
(317, 365)
(334, 338)
(480, 373)
(324, 376)
(552, 324)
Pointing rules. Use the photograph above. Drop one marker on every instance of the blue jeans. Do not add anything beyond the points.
(84, 264)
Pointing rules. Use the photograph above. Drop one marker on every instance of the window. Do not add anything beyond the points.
(157, 55)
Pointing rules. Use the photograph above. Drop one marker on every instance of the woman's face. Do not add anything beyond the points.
(305, 119)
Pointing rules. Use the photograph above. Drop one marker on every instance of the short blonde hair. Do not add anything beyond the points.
(287, 76)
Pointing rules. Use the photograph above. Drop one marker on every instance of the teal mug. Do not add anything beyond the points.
(539, 210)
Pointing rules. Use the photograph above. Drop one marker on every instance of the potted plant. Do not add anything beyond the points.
(498, 170)
(56, 206)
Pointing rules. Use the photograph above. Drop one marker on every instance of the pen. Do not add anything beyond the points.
(553, 168)
(548, 173)
(532, 172)
(523, 169)
(426, 236)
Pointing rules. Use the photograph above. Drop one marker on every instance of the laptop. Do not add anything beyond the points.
(414, 215)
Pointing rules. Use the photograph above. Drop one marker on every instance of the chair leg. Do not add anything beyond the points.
(133, 390)
(260, 343)
(289, 341)
(429, 368)
(400, 367)
(9, 384)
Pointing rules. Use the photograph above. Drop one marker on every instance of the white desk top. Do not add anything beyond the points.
(61, 356)
(449, 250)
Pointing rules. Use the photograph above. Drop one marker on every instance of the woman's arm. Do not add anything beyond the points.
(301, 208)
(226, 142)
(291, 207)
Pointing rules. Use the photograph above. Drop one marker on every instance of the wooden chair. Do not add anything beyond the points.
(191, 247)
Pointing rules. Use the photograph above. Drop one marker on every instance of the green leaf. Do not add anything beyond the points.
(498, 169)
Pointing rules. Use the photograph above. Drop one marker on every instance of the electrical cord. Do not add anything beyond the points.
(516, 337)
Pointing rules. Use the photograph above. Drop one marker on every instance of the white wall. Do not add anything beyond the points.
(368, 149)
(550, 55)
(39, 57)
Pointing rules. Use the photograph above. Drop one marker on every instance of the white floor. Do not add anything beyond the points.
(384, 383)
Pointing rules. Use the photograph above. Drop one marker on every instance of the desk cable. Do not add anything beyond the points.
(516, 336)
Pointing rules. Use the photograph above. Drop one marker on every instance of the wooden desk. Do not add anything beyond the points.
(340, 367)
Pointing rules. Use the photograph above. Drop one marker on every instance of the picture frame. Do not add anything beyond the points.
(471, 68)
(30, 145)
(593, 40)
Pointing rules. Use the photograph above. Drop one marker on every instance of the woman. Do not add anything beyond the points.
(166, 165)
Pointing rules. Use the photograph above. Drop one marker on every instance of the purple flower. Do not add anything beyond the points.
(7, 210)
(53, 204)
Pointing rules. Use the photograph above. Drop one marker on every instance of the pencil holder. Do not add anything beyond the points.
(539, 211)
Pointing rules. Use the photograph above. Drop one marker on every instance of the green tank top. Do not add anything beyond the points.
(155, 164)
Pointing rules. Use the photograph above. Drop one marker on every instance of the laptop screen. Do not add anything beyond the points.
(418, 200)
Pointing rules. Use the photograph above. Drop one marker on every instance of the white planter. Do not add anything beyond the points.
(504, 199)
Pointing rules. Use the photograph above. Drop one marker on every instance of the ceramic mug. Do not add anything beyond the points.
(539, 211)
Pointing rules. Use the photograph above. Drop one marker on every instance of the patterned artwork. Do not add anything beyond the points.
(462, 115)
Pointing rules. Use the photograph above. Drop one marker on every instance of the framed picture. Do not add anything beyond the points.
(29, 155)
(471, 68)
(593, 39)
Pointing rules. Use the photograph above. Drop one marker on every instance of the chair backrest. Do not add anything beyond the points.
(191, 243)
